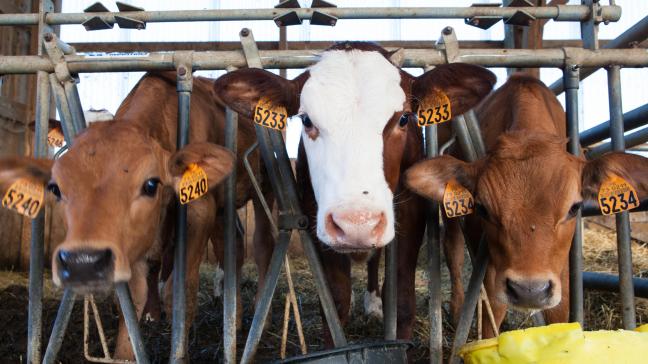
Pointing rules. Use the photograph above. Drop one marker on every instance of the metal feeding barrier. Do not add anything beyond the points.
(57, 65)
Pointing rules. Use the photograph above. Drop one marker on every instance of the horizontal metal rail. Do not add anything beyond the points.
(88, 47)
(558, 57)
(635, 34)
(631, 140)
(610, 283)
(557, 13)
(631, 120)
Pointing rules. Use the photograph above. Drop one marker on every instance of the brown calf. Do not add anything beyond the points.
(527, 191)
(358, 111)
(116, 186)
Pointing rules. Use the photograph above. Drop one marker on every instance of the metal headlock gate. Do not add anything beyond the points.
(57, 66)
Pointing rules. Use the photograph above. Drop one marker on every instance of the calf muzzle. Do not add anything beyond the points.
(530, 294)
(85, 269)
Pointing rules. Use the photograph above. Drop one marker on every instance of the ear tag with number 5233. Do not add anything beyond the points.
(24, 197)
(617, 195)
(270, 116)
(434, 109)
(193, 184)
(457, 200)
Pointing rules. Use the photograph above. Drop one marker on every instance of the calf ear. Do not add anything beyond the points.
(216, 161)
(631, 167)
(429, 178)
(464, 84)
(14, 168)
(242, 89)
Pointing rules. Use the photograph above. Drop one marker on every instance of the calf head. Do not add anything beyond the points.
(357, 109)
(527, 192)
(114, 183)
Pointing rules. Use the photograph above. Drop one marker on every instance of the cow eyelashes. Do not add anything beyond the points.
(573, 210)
(54, 188)
(150, 186)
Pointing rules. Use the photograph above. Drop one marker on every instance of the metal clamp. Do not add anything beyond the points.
(56, 51)
(183, 60)
(449, 44)
(292, 221)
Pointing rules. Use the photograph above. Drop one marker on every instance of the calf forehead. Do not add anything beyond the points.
(349, 88)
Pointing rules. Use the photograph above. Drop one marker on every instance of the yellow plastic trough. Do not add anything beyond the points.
(560, 344)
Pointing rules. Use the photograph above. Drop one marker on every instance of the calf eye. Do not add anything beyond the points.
(149, 188)
(404, 119)
(306, 121)
(54, 188)
(481, 211)
(573, 210)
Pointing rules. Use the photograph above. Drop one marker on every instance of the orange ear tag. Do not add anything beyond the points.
(270, 116)
(55, 138)
(457, 200)
(617, 195)
(193, 184)
(24, 197)
(434, 109)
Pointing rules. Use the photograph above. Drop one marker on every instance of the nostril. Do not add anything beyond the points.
(63, 258)
(104, 259)
(381, 224)
(332, 228)
(511, 289)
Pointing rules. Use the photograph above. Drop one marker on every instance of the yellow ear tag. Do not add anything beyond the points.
(270, 116)
(55, 138)
(24, 197)
(616, 195)
(193, 184)
(434, 109)
(457, 200)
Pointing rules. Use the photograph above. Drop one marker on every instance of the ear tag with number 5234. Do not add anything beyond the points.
(434, 109)
(24, 197)
(617, 195)
(270, 116)
(193, 183)
(457, 200)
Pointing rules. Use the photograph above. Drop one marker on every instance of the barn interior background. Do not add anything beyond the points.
(107, 90)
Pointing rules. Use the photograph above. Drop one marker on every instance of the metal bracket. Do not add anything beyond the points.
(96, 23)
(125, 22)
(483, 22)
(320, 18)
(520, 17)
(56, 51)
(449, 43)
(290, 18)
(183, 61)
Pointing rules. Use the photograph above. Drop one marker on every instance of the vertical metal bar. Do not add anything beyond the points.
(622, 220)
(76, 110)
(589, 27)
(434, 259)
(464, 138)
(130, 318)
(60, 325)
(470, 301)
(472, 124)
(391, 286)
(37, 248)
(263, 305)
(179, 321)
(229, 264)
(67, 124)
(571, 84)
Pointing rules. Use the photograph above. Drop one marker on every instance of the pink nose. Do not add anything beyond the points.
(355, 229)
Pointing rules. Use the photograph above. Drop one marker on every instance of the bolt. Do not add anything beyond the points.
(245, 32)
(333, 22)
(278, 22)
(182, 71)
(447, 30)
(302, 222)
(48, 37)
(575, 67)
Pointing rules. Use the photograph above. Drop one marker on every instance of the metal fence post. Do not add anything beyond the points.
(391, 285)
(229, 264)
(623, 219)
(179, 321)
(60, 325)
(571, 83)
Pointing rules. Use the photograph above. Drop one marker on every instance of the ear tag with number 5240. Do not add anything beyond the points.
(457, 200)
(270, 116)
(434, 109)
(24, 197)
(617, 195)
(193, 184)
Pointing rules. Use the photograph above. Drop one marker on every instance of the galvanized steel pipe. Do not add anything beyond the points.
(631, 120)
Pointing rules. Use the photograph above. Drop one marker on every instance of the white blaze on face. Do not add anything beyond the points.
(350, 96)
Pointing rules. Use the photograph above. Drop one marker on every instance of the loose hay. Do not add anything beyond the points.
(205, 340)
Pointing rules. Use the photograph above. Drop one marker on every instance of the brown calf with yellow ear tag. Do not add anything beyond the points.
(25, 196)
(434, 109)
(617, 195)
(270, 116)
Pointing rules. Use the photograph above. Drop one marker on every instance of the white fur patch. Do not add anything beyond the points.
(219, 275)
(373, 305)
(350, 96)
(93, 115)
